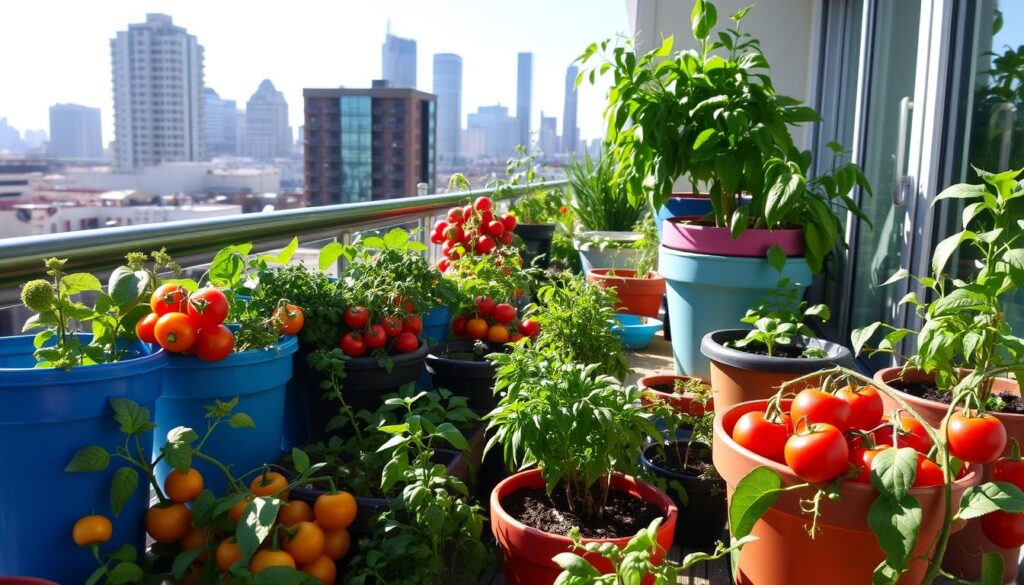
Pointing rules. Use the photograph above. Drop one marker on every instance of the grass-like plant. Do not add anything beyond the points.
(598, 203)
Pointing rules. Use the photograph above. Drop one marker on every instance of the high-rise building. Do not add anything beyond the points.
(10, 138)
(75, 132)
(548, 135)
(267, 133)
(398, 59)
(570, 132)
(158, 94)
(493, 132)
(219, 124)
(35, 139)
(448, 89)
(368, 144)
(524, 95)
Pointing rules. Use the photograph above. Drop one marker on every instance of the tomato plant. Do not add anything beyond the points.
(175, 332)
(817, 452)
(207, 307)
(976, 438)
(289, 319)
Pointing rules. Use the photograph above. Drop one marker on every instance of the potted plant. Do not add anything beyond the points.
(537, 213)
(463, 368)
(639, 289)
(582, 432)
(56, 386)
(606, 214)
(679, 391)
(712, 116)
(965, 333)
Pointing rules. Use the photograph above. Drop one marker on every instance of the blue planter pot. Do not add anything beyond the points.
(46, 417)
(436, 323)
(707, 293)
(257, 378)
(681, 207)
(636, 332)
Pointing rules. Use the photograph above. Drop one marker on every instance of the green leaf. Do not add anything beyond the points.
(453, 436)
(125, 287)
(704, 137)
(240, 420)
(228, 265)
(178, 448)
(991, 569)
(87, 459)
(286, 254)
(989, 497)
(330, 253)
(300, 460)
(126, 553)
(396, 238)
(893, 471)
(960, 191)
(860, 337)
(257, 519)
(284, 576)
(738, 221)
(884, 574)
(125, 573)
(132, 418)
(96, 575)
(80, 282)
(754, 494)
(896, 525)
(777, 258)
(184, 560)
(945, 249)
(122, 488)
(899, 275)
(703, 19)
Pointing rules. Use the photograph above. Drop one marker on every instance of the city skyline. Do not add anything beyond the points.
(489, 53)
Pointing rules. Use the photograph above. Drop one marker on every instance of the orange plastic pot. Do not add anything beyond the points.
(963, 556)
(683, 403)
(637, 296)
(845, 551)
(527, 551)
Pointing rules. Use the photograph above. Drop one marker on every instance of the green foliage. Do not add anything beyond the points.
(597, 201)
(497, 275)
(61, 312)
(538, 204)
(647, 247)
(779, 321)
(320, 300)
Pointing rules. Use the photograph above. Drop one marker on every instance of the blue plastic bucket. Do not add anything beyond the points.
(257, 378)
(707, 293)
(436, 323)
(682, 205)
(46, 416)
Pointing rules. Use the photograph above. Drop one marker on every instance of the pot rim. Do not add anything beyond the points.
(433, 354)
(687, 222)
(285, 346)
(129, 366)
(885, 375)
(398, 359)
(620, 274)
(713, 347)
(645, 460)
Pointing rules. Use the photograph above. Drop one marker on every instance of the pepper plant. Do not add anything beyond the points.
(780, 321)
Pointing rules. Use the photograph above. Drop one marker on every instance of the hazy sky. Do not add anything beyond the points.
(58, 50)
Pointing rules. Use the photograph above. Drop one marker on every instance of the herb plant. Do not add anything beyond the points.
(598, 202)
(320, 299)
(779, 322)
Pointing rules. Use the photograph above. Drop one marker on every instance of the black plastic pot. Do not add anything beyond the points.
(537, 239)
(472, 379)
(364, 386)
(702, 516)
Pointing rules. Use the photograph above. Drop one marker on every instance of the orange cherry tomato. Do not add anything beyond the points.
(228, 553)
(306, 544)
(90, 530)
(291, 513)
(336, 543)
(269, 484)
(335, 511)
(168, 523)
(323, 568)
(183, 487)
(265, 559)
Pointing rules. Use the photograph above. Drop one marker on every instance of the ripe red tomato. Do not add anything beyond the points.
(168, 298)
(820, 407)
(484, 245)
(352, 344)
(495, 228)
(484, 305)
(928, 473)
(486, 217)
(1009, 470)
(504, 313)
(455, 215)
(766, 438)
(866, 406)
(144, 328)
(509, 221)
(175, 332)
(483, 204)
(440, 226)
(289, 319)
(861, 459)
(207, 307)
(453, 252)
(1004, 529)
(976, 439)
(436, 238)
(506, 239)
(467, 212)
(213, 343)
(356, 317)
(529, 328)
(442, 265)
(459, 325)
(376, 337)
(911, 434)
(412, 324)
(406, 342)
(454, 234)
(817, 453)
(392, 326)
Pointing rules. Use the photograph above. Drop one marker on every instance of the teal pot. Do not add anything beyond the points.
(537, 240)
(436, 323)
(615, 255)
(708, 293)
(47, 415)
(635, 331)
(258, 378)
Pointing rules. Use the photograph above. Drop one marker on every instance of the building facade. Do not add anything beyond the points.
(524, 97)
(398, 60)
(548, 135)
(267, 133)
(158, 94)
(492, 132)
(570, 132)
(75, 132)
(448, 89)
(220, 130)
(368, 144)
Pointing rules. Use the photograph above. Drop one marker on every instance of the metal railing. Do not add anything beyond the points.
(194, 241)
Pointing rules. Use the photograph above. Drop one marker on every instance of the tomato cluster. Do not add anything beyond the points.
(391, 334)
(494, 322)
(472, 230)
(181, 322)
(1006, 529)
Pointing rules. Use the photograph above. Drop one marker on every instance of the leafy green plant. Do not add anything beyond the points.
(964, 324)
(538, 205)
(574, 315)
(647, 248)
(712, 115)
(498, 276)
(60, 310)
(598, 202)
(780, 321)
(321, 302)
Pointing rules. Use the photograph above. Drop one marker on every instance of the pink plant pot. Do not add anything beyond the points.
(686, 235)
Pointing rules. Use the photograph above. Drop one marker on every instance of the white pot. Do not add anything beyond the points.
(593, 255)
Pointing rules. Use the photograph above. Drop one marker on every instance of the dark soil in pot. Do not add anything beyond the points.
(702, 509)
(1011, 403)
(785, 351)
(624, 514)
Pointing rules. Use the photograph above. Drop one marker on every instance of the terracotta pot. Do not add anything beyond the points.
(963, 556)
(688, 235)
(527, 551)
(682, 402)
(738, 376)
(637, 296)
(845, 551)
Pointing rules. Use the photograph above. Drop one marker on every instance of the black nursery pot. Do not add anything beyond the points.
(537, 239)
(472, 379)
(364, 386)
(703, 516)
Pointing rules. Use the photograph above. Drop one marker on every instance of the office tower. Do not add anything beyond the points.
(493, 132)
(398, 59)
(448, 89)
(75, 132)
(10, 138)
(548, 135)
(158, 94)
(524, 95)
(570, 133)
(219, 124)
(267, 133)
(368, 144)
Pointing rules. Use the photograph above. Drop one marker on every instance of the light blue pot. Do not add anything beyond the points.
(436, 323)
(635, 331)
(707, 293)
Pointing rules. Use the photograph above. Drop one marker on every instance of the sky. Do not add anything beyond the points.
(57, 51)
